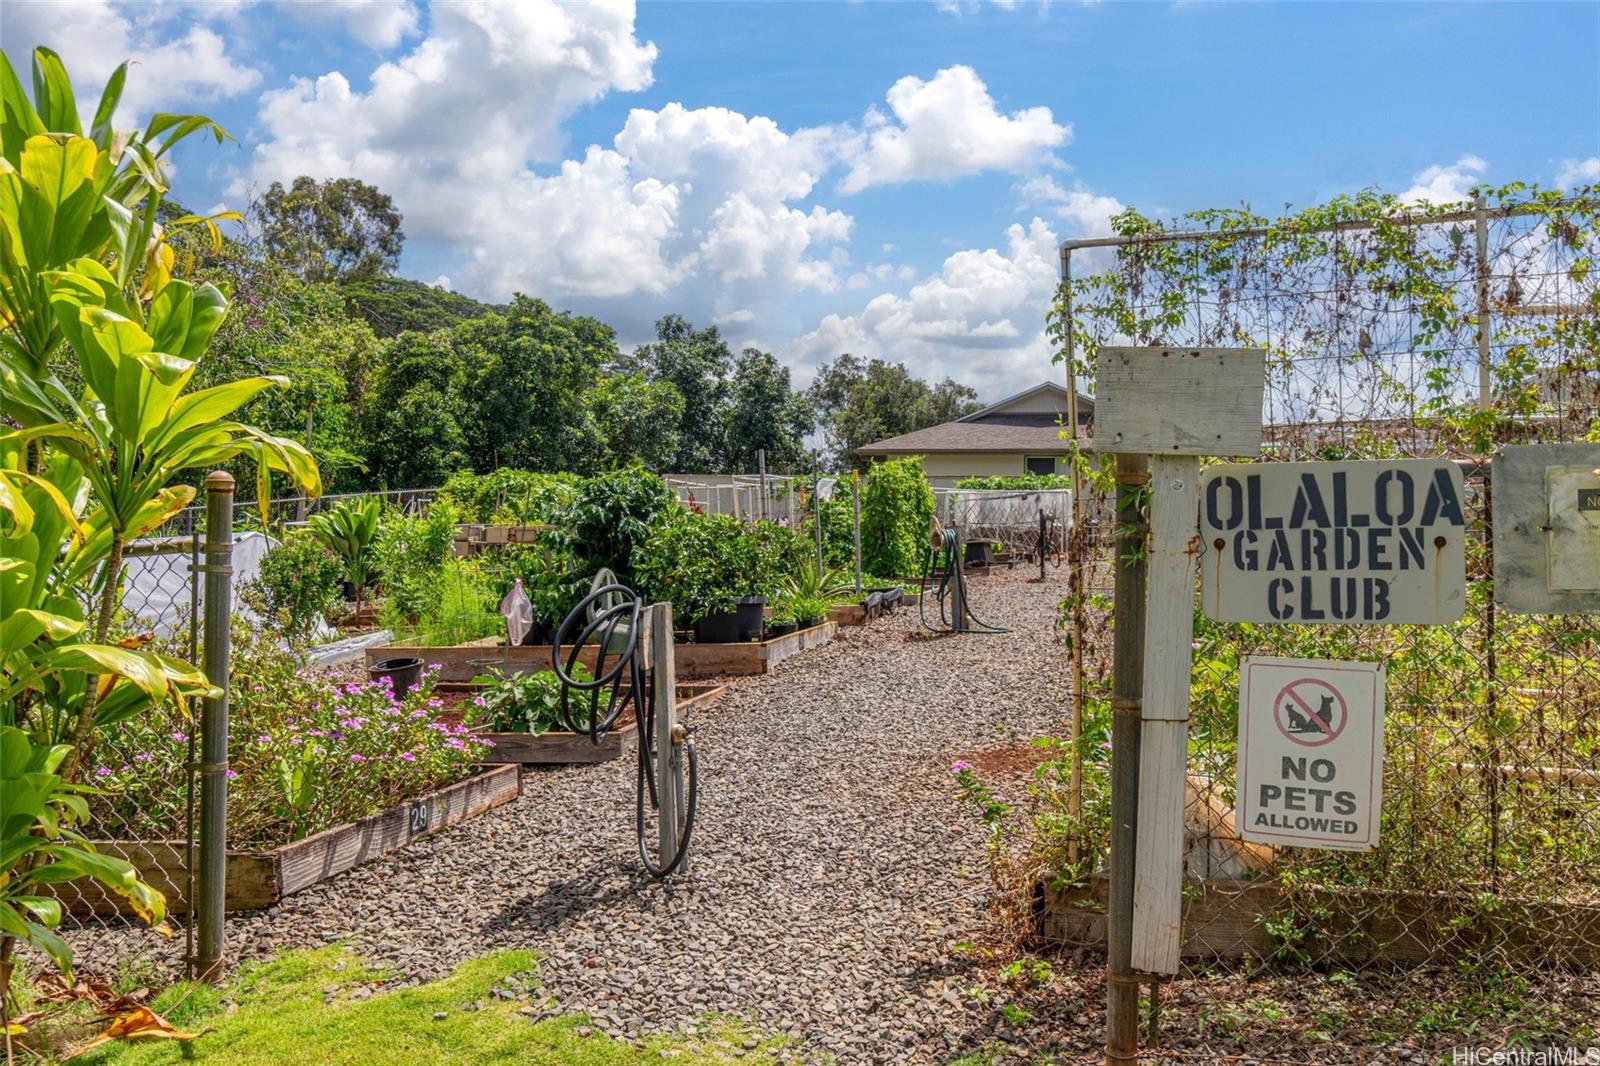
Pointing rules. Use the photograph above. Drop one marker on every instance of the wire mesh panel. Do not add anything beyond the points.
(141, 769)
(1447, 335)
(1022, 523)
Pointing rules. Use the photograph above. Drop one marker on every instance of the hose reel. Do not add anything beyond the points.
(611, 618)
(955, 610)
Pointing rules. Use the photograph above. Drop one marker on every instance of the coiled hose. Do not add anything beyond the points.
(610, 618)
(945, 546)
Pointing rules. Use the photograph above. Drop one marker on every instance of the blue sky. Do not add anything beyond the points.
(884, 178)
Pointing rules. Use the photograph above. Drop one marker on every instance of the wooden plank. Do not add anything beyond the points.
(558, 747)
(1164, 736)
(663, 667)
(1226, 919)
(333, 851)
(1179, 401)
(252, 879)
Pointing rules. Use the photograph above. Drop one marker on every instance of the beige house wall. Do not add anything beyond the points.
(946, 468)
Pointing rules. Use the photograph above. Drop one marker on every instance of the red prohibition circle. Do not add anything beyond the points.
(1308, 708)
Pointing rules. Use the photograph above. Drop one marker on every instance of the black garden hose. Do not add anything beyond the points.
(952, 583)
(616, 612)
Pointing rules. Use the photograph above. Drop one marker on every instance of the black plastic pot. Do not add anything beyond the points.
(719, 628)
(403, 673)
(783, 629)
(807, 623)
(980, 553)
(751, 616)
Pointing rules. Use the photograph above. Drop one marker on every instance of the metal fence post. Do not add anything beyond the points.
(212, 886)
(855, 506)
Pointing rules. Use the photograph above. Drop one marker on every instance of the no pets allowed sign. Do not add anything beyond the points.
(1310, 752)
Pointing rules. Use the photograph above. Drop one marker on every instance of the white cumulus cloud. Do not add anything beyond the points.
(377, 23)
(947, 127)
(1576, 172)
(1447, 183)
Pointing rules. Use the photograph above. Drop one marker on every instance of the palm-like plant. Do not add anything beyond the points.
(813, 582)
(349, 531)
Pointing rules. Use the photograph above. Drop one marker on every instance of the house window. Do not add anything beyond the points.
(1040, 464)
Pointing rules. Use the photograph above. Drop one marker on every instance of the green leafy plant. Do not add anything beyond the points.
(702, 564)
(613, 514)
(808, 609)
(297, 584)
(524, 703)
(463, 608)
(410, 552)
(349, 531)
(896, 511)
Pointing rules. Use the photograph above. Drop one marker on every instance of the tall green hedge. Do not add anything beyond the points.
(896, 510)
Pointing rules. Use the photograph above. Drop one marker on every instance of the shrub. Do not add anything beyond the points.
(1017, 482)
(509, 494)
(896, 511)
(463, 606)
(552, 576)
(698, 563)
(349, 531)
(410, 551)
(298, 583)
(612, 515)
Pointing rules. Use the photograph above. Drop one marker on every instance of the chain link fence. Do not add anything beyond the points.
(1447, 334)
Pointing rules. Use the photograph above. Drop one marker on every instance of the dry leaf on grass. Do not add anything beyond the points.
(140, 1023)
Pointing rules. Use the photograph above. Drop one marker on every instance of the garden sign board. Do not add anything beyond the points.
(1376, 542)
(1310, 752)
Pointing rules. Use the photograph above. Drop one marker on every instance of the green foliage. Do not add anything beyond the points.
(524, 703)
(1017, 482)
(349, 531)
(764, 413)
(636, 420)
(297, 585)
(553, 577)
(391, 305)
(613, 514)
(896, 512)
(509, 494)
(808, 609)
(417, 414)
(701, 564)
(531, 368)
(462, 606)
(332, 230)
(858, 401)
(696, 363)
(410, 551)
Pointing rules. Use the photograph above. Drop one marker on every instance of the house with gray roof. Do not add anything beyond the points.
(1022, 434)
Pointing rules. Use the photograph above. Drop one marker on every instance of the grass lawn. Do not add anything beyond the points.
(319, 1006)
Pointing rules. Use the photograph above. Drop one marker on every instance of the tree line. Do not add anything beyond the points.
(396, 383)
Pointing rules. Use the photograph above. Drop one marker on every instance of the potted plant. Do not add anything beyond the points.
(701, 565)
(783, 622)
(809, 610)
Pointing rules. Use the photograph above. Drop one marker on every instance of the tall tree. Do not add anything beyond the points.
(532, 369)
(416, 412)
(859, 401)
(697, 363)
(765, 413)
(337, 230)
(636, 421)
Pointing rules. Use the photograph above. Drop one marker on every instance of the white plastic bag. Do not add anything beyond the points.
(517, 610)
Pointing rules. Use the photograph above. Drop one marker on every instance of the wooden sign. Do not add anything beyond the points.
(1359, 542)
(1179, 401)
(1547, 528)
(1310, 752)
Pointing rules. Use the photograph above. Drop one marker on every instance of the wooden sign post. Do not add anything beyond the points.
(1173, 405)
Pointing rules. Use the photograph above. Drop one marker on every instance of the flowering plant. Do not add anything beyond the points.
(306, 752)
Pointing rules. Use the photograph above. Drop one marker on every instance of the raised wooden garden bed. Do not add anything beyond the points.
(1226, 919)
(463, 662)
(558, 747)
(260, 878)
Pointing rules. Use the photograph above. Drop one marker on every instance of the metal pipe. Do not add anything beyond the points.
(1480, 224)
(212, 887)
(1076, 560)
(855, 507)
(1127, 704)
(816, 509)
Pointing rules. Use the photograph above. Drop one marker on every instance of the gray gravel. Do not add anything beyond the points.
(833, 863)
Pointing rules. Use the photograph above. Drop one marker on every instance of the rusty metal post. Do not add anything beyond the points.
(1127, 704)
(212, 883)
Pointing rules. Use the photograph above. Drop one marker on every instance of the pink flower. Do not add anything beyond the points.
(102, 771)
(143, 756)
(408, 756)
(960, 766)
(358, 757)
(180, 736)
(232, 774)
(264, 739)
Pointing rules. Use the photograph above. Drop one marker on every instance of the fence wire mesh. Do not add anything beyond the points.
(1489, 854)
(142, 770)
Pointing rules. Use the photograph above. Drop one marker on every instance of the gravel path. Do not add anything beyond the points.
(833, 863)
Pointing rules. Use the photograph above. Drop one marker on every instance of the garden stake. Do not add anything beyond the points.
(212, 882)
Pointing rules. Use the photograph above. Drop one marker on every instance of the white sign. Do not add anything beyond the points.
(1362, 542)
(1310, 752)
